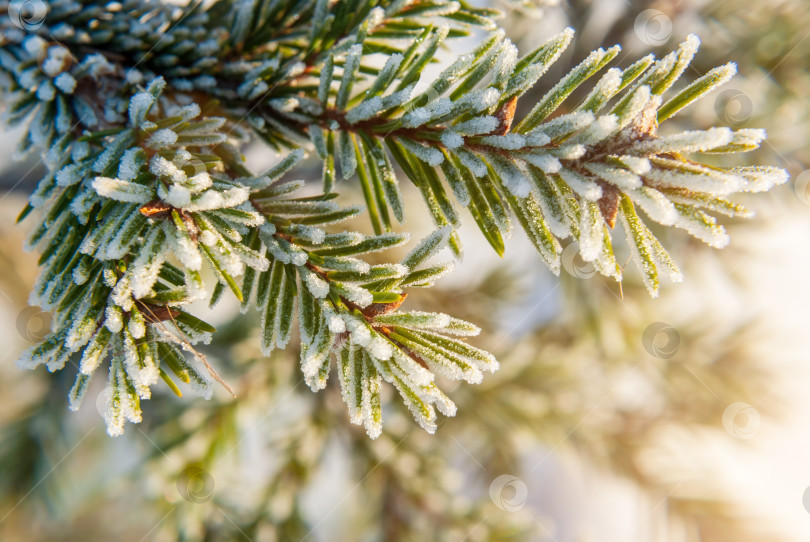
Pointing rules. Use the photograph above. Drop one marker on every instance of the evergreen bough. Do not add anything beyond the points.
(139, 109)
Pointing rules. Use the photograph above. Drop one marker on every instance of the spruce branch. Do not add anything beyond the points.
(140, 111)
(162, 188)
(570, 175)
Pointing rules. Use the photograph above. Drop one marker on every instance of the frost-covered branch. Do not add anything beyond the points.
(570, 175)
(161, 190)
(140, 110)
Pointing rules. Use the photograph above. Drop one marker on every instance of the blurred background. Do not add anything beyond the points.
(613, 417)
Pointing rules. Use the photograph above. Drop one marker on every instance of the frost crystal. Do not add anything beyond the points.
(185, 249)
(451, 139)
(582, 186)
(507, 142)
(695, 141)
(122, 190)
(360, 334)
(113, 319)
(70, 175)
(139, 107)
(379, 348)
(430, 155)
(130, 165)
(178, 196)
(365, 110)
(46, 92)
(162, 138)
(316, 285)
(471, 161)
(164, 168)
(477, 125)
(65, 82)
(335, 323)
(546, 162)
